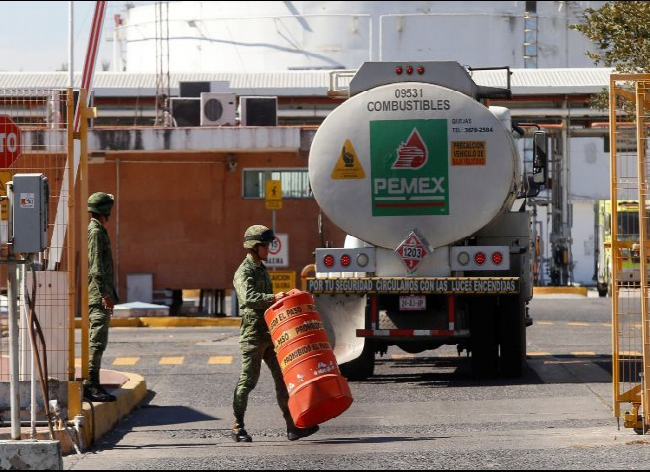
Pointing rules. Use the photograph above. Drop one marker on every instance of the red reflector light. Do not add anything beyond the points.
(479, 258)
(345, 260)
(497, 258)
(328, 260)
(399, 70)
(409, 70)
(420, 70)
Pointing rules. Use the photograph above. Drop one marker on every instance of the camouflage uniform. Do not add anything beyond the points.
(255, 295)
(100, 281)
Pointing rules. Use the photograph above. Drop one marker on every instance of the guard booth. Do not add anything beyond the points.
(630, 248)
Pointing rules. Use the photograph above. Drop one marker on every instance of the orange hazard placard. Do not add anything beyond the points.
(468, 153)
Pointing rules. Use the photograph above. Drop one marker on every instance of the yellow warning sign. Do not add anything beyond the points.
(468, 153)
(348, 165)
(273, 194)
(283, 281)
(4, 178)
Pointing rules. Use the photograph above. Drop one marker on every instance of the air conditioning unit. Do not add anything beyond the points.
(218, 109)
(186, 111)
(258, 111)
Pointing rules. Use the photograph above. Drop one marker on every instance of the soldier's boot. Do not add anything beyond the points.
(93, 391)
(238, 433)
(295, 433)
(95, 395)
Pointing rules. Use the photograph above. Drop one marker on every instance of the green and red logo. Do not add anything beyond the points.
(409, 167)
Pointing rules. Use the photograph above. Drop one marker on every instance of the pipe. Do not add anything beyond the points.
(303, 275)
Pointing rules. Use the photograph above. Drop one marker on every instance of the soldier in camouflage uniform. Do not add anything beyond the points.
(255, 296)
(101, 291)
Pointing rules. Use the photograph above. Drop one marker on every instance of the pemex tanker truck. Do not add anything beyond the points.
(427, 183)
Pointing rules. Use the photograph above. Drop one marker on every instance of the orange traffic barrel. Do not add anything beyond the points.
(317, 390)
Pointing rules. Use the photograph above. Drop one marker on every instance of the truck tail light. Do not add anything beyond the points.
(409, 70)
(399, 70)
(479, 258)
(328, 260)
(345, 260)
(362, 260)
(420, 70)
(497, 258)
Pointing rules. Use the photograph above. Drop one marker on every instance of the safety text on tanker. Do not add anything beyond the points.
(415, 285)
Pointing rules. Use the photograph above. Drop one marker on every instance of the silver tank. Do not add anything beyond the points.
(413, 156)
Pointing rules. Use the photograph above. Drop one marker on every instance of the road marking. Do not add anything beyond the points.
(630, 353)
(402, 356)
(534, 354)
(545, 323)
(583, 353)
(171, 361)
(220, 360)
(607, 325)
(578, 324)
(126, 361)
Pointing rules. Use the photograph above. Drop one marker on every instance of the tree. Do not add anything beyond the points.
(621, 31)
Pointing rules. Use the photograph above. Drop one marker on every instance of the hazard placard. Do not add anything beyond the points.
(348, 165)
(413, 250)
(273, 195)
(283, 281)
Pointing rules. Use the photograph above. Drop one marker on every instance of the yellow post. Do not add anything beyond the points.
(74, 387)
(614, 245)
(85, 114)
(70, 231)
(643, 237)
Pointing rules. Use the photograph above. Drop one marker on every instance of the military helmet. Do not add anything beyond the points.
(257, 234)
(101, 203)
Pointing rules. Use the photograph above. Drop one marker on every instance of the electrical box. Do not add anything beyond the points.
(31, 198)
(258, 111)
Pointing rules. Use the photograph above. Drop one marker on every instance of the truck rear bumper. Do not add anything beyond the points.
(420, 334)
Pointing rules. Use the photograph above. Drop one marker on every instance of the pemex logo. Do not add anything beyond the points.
(412, 154)
(409, 167)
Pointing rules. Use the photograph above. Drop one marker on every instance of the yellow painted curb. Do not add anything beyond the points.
(560, 290)
(102, 417)
(168, 322)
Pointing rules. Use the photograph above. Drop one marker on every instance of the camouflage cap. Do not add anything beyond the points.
(101, 203)
(257, 234)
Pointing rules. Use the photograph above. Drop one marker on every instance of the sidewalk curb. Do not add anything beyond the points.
(103, 417)
(169, 322)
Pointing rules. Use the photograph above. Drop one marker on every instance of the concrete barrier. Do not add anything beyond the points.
(30, 455)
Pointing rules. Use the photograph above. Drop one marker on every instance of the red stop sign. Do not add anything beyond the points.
(10, 148)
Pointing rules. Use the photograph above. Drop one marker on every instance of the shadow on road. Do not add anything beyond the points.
(454, 371)
(147, 415)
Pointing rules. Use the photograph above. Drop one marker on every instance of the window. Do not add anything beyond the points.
(295, 182)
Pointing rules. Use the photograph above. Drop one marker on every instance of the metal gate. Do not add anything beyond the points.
(630, 251)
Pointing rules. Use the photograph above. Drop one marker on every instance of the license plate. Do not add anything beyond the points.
(412, 302)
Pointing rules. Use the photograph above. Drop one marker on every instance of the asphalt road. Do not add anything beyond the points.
(417, 412)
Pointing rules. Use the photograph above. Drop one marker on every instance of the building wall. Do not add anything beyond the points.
(181, 216)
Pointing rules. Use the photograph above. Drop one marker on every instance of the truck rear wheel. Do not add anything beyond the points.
(362, 367)
(512, 336)
(483, 338)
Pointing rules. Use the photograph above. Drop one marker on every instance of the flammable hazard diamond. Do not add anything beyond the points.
(413, 250)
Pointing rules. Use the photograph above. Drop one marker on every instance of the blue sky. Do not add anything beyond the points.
(34, 35)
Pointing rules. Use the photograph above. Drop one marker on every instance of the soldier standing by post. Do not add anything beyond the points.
(101, 291)
(255, 295)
